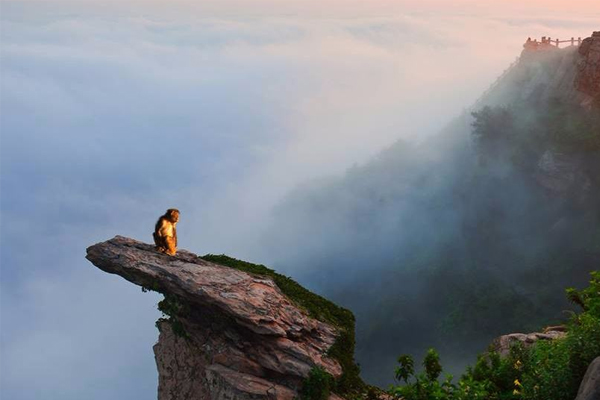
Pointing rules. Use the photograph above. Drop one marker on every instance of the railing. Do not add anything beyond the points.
(548, 41)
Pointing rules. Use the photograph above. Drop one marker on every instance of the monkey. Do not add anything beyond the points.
(165, 233)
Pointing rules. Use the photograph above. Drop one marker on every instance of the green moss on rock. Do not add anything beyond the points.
(349, 383)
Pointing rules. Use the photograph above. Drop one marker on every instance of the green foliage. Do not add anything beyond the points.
(154, 287)
(350, 383)
(574, 297)
(318, 307)
(342, 350)
(493, 130)
(406, 368)
(432, 365)
(548, 375)
(518, 135)
(472, 299)
(317, 386)
(570, 126)
(557, 367)
(547, 370)
(174, 308)
(589, 298)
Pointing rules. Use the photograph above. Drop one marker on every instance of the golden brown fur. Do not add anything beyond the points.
(165, 232)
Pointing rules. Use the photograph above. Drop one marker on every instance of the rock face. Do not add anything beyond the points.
(590, 386)
(503, 344)
(588, 74)
(564, 172)
(243, 338)
(571, 73)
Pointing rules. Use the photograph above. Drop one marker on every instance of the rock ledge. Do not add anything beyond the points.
(244, 338)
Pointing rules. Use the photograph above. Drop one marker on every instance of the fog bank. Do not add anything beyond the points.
(112, 113)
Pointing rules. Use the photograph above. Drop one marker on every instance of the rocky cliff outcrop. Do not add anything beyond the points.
(571, 73)
(502, 344)
(565, 172)
(232, 334)
(555, 84)
(588, 67)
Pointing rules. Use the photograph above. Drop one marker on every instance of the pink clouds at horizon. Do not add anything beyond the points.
(502, 7)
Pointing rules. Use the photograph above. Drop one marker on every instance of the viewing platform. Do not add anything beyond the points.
(547, 43)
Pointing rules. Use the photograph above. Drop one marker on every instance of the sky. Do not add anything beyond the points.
(112, 112)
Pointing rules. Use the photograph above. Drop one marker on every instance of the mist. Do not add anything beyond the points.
(469, 234)
(112, 113)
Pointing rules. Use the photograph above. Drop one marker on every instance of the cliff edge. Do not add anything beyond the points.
(230, 334)
(571, 74)
(587, 79)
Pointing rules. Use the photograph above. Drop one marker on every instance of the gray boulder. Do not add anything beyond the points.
(590, 385)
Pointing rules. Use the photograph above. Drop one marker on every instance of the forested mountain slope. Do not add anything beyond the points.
(474, 232)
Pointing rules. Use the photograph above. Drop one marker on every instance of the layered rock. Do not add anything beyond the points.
(502, 344)
(237, 335)
(588, 67)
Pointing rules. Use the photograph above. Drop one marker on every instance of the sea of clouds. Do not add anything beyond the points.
(111, 114)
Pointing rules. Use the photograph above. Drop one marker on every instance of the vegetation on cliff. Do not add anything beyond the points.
(492, 217)
(498, 215)
(318, 383)
(220, 311)
(547, 370)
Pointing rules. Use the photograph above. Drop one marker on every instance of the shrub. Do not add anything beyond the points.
(546, 370)
(317, 386)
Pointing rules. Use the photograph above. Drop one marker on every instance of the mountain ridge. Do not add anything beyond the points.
(465, 232)
(499, 210)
